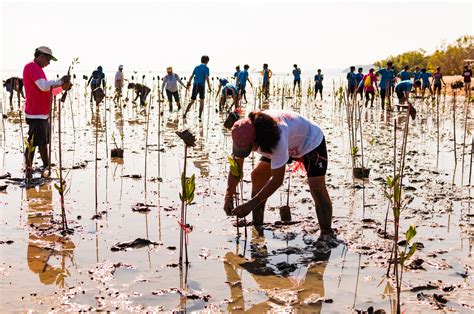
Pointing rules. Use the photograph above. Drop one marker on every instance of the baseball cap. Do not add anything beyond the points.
(243, 137)
(47, 51)
(121, 66)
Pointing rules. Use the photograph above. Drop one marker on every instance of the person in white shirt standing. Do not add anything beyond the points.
(171, 82)
(280, 137)
(38, 92)
(119, 80)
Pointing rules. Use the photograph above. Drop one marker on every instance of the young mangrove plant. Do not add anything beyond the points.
(186, 196)
(238, 172)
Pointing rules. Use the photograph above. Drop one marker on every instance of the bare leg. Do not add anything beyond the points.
(201, 107)
(188, 107)
(323, 203)
(260, 176)
(43, 150)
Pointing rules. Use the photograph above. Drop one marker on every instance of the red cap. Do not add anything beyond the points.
(243, 137)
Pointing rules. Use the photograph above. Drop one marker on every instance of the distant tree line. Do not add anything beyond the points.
(448, 57)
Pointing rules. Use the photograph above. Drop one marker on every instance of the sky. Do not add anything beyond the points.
(151, 35)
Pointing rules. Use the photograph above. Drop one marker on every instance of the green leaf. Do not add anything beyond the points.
(190, 187)
(235, 168)
(396, 193)
(412, 251)
(355, 150)
(402, 258)
(389, 182)
(410, 234)
(396, 212)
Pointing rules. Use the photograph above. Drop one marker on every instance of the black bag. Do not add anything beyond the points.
(232, 117)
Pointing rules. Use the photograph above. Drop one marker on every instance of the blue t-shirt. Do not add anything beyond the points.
(223, 81)
(230, 86)
(425, 78)
(318, 79)
(265, 75)
(404, 75)
(416, 75)
(351, 78)
(359, 77)
(297, 74)
(236, 74)
(404, 86)
(242, 80)
(386, 77)
(200, 73)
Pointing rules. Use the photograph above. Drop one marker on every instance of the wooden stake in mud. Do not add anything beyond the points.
(454, 128)
(466, 110)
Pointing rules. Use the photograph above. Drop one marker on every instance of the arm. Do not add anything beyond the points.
(179, 80)
(249, 82)
(270, 187)
(189, 81)
(164, 83)
(208, 84)
(44, 85)
(218, 90)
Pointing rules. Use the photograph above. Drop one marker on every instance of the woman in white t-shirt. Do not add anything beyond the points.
(279, 136)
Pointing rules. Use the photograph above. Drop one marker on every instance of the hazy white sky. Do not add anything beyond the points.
(150, 35)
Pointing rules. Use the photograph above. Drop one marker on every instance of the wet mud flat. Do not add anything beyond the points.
(124, 252)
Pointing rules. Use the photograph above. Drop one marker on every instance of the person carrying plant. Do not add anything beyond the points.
(141, 91)
(14, 84)
(318, 84)
(386, 79)
(242, 80)
(97, 78)
(296, 78)
(467, 75)
(280, 137)
(358, 77)
(171, 82)
(368, 82)
(119, 80)
(200, 75)
(37, 105)
(437, 81)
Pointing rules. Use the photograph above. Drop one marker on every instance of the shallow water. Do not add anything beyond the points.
(42, 270)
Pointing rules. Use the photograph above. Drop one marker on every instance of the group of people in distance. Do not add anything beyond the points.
(280, 137)
(402, 83)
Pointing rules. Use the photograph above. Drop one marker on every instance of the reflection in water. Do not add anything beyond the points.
(299, 293)
(47, 252)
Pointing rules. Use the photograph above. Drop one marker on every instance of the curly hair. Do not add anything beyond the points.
(267, 132)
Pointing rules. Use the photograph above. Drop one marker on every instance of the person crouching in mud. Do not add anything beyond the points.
(279, 136)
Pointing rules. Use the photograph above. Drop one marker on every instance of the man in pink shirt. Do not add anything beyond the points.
(38, 92)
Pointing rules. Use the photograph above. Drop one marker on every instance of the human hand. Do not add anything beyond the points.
(244, 209)
(66, 86)
(66, 79)
(228, 205)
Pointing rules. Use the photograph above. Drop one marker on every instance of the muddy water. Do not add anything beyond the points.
(274, 268)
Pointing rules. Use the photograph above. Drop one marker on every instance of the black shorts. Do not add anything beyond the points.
(368, 93)
(437, 87)
(172, 95)
(266, 84)
(385, 92)
(318, 87)
(296, 82)
(198, 89)
(38, 131)
(241, 90)
(400, 95)
(315, 162)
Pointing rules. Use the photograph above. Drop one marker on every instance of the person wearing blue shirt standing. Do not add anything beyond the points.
(296, 78)
(242, 80)
(318, 84)
(417, 77)
(405, 74)
(200, 75)
(351, 82)
(266, 73)
(425, 82)
(360, 88)
(236, 74)
(387, 75)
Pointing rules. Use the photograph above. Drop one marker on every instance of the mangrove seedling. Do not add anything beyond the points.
(238, 172)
